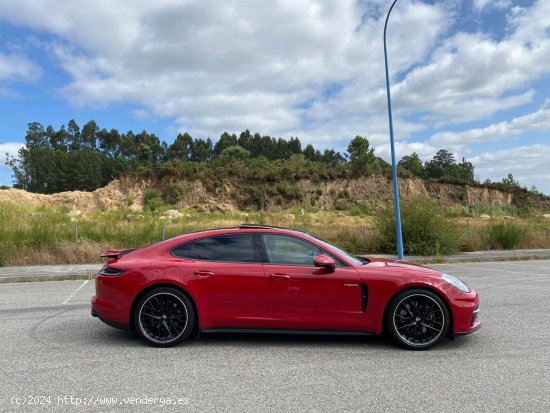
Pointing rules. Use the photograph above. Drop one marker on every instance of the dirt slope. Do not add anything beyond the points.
(339, 194)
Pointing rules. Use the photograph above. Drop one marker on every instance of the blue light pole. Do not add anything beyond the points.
(393, 164)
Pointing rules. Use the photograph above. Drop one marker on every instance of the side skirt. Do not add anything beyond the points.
(283, 331)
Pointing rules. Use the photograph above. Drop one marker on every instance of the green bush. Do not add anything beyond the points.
(504, 235)
(361, 210)
(151, 200)
(425, 230)
(174, 194)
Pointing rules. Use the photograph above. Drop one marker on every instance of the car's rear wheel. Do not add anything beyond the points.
(417, 319)
(164, 317)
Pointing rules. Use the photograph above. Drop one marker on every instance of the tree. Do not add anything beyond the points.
(309, 152)
(413, 164)
(510, 183)
(88, 136)
(58, 139)
(153, 142)
(361, 157)
(73, 136)
(282, 150)
(36, 136)
(332, 157)
(464, 170)
(294, 146)
(441, 164)
(226, 141)
(182, 147)
(202, 150)
(245, 140)
(109, 142)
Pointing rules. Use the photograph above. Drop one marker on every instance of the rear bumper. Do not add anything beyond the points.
(113, 298)
(116, 324)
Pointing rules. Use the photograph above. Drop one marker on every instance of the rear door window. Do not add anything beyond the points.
(224, 248)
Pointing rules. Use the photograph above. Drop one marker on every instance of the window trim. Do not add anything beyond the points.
(265, 256)
(255, 251)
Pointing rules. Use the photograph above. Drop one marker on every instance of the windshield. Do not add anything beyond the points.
(349, 257)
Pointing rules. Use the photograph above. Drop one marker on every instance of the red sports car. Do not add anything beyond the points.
(267, 279)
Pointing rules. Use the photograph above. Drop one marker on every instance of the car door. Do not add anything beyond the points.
(227, 280)
(302, 296)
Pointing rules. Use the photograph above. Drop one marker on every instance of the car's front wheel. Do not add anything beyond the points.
(164, 317)
(417, 319)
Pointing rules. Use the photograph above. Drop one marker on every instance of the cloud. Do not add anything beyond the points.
(528, 164)
(470, 77)
(10, 149)
(213, 66)
(15, 66)
(482, 5)
(539, 120)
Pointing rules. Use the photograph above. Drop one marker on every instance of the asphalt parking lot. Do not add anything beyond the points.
(50, 346)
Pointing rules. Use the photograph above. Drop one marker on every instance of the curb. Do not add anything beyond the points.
(44, 278)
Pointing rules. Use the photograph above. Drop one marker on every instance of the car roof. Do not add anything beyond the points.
(247, 226)
(228, 230)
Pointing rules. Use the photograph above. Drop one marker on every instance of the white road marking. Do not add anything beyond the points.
(80, 287)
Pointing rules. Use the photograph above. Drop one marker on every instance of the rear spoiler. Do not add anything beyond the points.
(116, 253)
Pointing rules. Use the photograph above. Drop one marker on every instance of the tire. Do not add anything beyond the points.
(164, 317)
(417, 319)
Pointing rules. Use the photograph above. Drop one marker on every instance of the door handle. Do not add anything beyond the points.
(279, 276)
(202, 273)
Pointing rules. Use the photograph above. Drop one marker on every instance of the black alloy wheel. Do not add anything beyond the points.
(164, 317)
(417, 319)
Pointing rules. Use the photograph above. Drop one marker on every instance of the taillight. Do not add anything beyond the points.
(110, 271)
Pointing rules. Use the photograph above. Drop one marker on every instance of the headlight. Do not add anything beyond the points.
(455, 282)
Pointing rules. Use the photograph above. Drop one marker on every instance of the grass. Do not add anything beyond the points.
(31, 236)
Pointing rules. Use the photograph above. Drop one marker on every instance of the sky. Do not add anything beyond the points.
(469, 76)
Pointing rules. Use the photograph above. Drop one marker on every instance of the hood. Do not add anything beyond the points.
(400, 265)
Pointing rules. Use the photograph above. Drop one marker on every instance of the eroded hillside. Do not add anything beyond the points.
(374, 191)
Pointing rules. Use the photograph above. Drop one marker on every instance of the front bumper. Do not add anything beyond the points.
(465, 313)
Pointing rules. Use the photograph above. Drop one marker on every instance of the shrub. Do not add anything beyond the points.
(361, 210)
(151, 200)
(309, 205)
(174, 194)
(504, 235)
(425, 230)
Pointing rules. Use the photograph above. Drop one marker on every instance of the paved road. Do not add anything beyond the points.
(50, 346)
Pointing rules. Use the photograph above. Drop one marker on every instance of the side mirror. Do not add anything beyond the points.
(324, 261)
